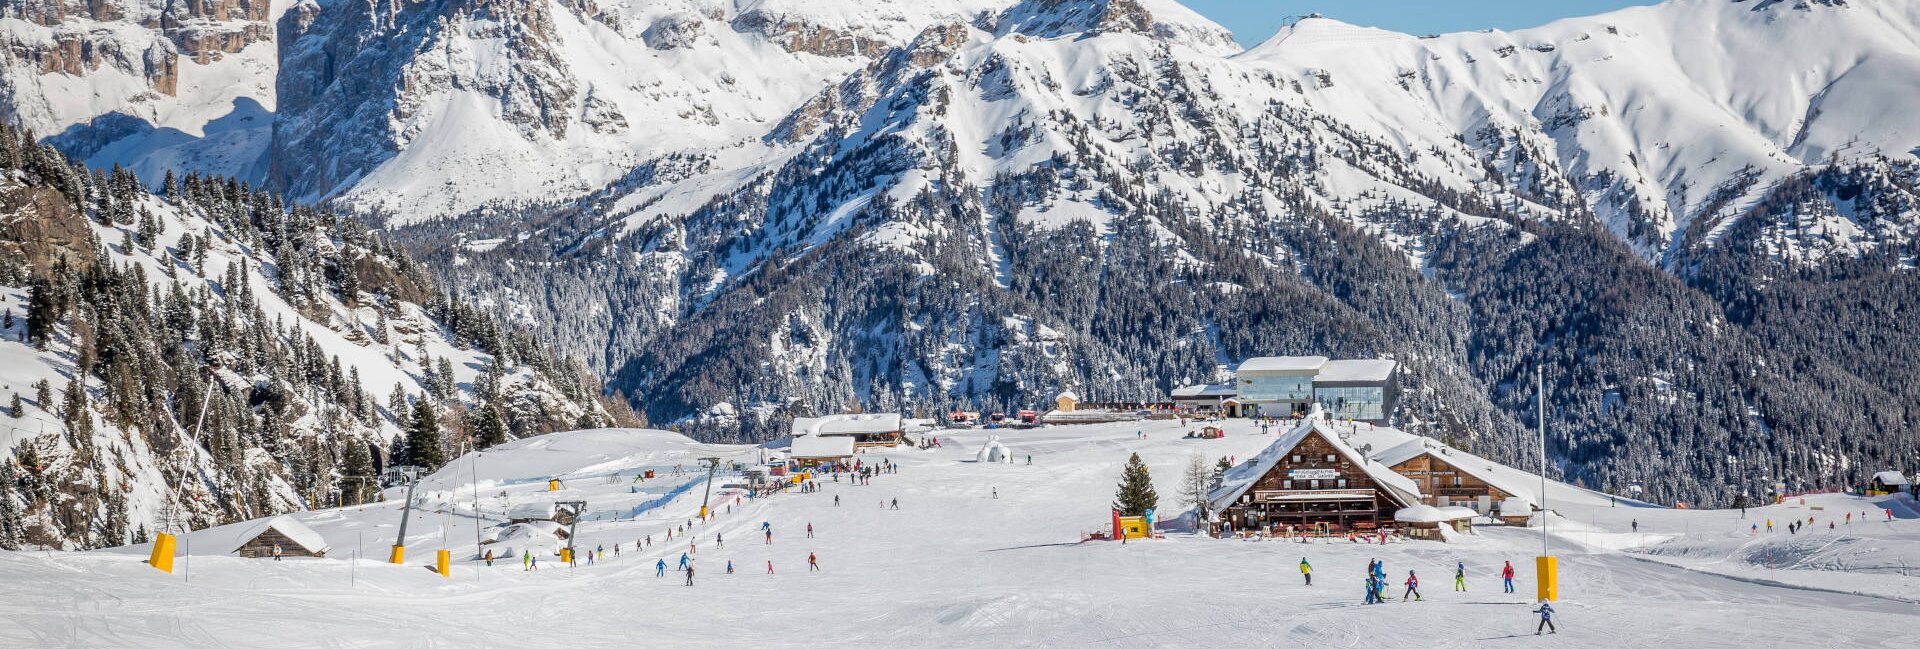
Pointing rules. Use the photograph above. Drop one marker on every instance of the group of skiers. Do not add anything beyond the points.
(1376, 583)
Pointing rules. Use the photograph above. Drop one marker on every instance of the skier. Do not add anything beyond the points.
(660, 568)
(769, 566)
(1306, 571)
(1506, 573)
(1413, 588)
(996, 493)
(276, 552)
(616, 550)
(896, 503)
(536, 564)
(684, 559)
(836, 500)
(1460, 576)
(1546, 618)
(813, 563)
(489, 558)
(809, 530)
(689, 575)
(1373, 590)
(526, 561)
(729, 566)
(1636, 526)
(719, 542)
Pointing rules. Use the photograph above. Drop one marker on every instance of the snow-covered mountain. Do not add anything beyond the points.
(740, 210)
(297, 345)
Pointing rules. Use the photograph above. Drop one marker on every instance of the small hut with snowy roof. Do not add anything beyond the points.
(294, 539)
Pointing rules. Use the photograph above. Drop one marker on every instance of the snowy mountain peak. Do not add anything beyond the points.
(1161, 19)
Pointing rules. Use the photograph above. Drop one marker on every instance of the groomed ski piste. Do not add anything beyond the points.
(956, 566)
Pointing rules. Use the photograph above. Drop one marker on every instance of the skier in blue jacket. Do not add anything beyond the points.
(660, 569)
(1546, 618)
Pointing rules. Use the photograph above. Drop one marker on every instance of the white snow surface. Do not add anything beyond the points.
(955, 567)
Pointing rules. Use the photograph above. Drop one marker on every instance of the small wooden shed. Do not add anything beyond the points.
(294, 539)
(1066, 402)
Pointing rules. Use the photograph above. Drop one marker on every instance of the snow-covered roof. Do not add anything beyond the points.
(294, 530)
(1241, 478)
(1891, 478)
(1300, 364)
(1478, 467)
(538, 511)
(1067, 395)
(816, 446)
(1430, 514)
(846, 424)
(1373, 370)
(1205, 391)
(1515, 505)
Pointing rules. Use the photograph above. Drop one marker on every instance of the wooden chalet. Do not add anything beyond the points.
(294, 539)
(866, 430)
(1311, 480)
(1448, 477)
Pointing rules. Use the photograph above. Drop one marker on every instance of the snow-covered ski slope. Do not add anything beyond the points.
(954, 566)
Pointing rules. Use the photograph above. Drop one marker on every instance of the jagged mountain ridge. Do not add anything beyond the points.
(1001, 209)
(1293, 197)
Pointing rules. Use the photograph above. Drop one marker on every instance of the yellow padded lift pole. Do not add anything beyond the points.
(566, 556)
(445, 563)
(399, 555)
(162, 557)
(1548, 577)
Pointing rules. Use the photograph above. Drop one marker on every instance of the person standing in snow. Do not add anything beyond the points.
(896, 502)
(809, 530)
(684, 560)
(1460, 576)
(536, 564)
(813, 563)
(1506, 574)
(1546, 618)
(1306, 571)
(836, 500)
(719, 542)
(1636, 526)
(276, 552)
(1413, 588)
(660, 568)
(526, 560)
(729, 566)
(689, 575)
(769, 566)
(489, 558)
(1373, 590)
(996, 493)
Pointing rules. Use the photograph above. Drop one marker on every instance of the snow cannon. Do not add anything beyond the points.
(162, 557)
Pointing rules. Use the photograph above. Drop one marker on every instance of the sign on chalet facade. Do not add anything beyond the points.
(1312, 481)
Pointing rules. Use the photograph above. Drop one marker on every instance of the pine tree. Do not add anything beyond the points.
(41, 312)
(423, 437)
(1136, 494)
(12, 529)
(6, 322)
(15, 409)
(357, 469)
(491, 429)
(43, 394)
(1220, 470)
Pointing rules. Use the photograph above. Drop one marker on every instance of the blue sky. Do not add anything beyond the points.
(1253, 21)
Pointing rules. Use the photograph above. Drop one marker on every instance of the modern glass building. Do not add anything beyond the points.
(1280, 386)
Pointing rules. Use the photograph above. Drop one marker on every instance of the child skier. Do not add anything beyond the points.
(813, 563)
(729, 566)
(1373, 590)
(1306, 571)
(1546, 618)
(1460, 576)
(526, 560)
(1506, 574)
(1413, 588)
(660, 568)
